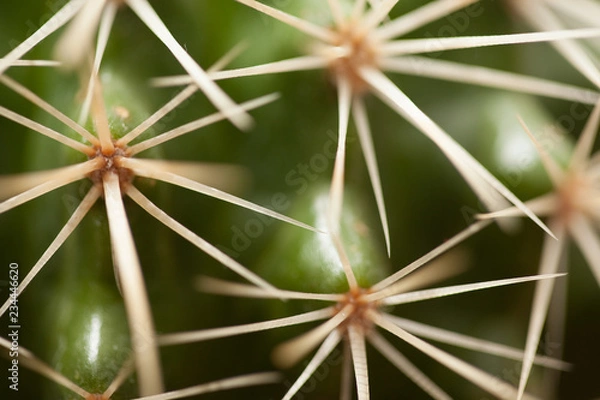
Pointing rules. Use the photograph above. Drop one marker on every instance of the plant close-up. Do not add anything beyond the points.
(300, 199)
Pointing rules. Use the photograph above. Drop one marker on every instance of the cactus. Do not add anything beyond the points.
(368, 163)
